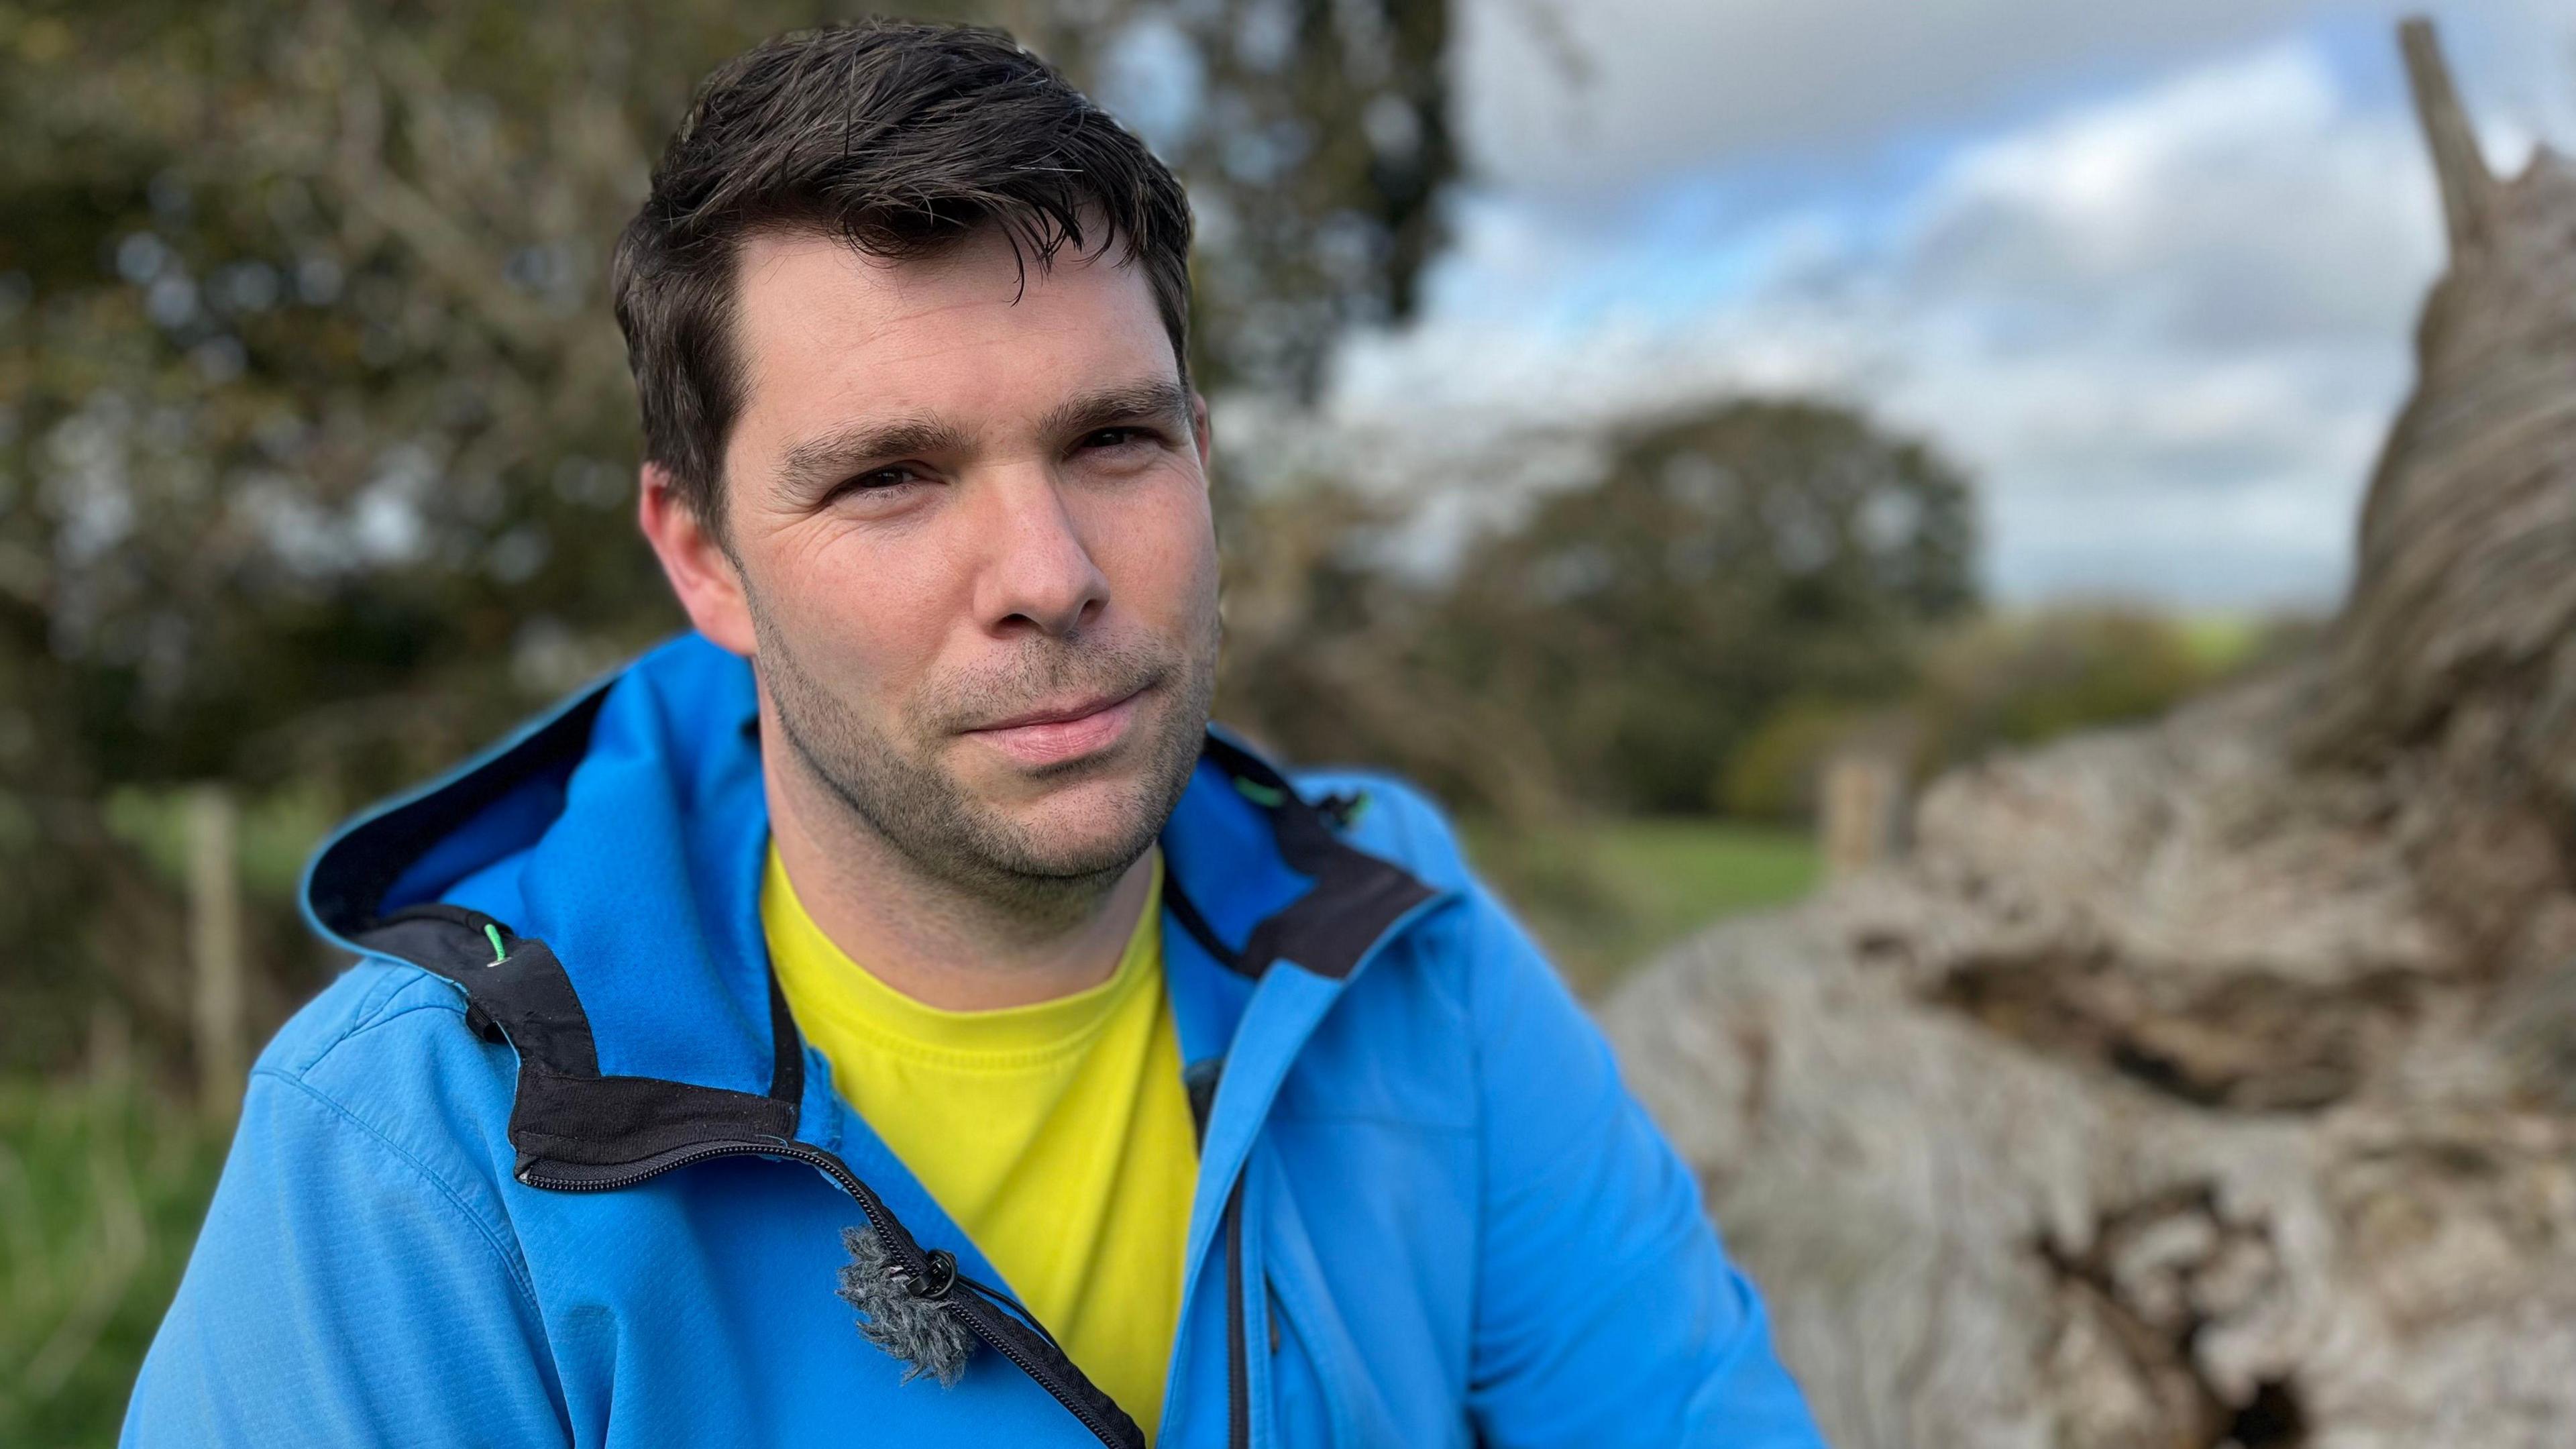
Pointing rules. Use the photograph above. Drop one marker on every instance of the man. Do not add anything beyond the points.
(902, 949)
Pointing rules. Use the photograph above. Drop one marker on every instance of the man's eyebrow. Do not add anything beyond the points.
(831, 456)
(1162, 399)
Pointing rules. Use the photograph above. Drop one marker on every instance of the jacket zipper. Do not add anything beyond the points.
(882, 1223)
(1238, 1372)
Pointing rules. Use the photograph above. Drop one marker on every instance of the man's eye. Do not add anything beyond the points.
(877, 480)
(1117, 437)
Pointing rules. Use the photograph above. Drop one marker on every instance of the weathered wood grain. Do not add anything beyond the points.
(2213, 1082)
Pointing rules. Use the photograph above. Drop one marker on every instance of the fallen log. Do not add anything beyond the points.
(2213, 1082)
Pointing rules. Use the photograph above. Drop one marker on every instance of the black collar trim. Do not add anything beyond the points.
(566, 1112)
(1356, 896)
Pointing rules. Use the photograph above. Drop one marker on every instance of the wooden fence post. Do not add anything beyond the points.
(1862, 796)
(215, 946)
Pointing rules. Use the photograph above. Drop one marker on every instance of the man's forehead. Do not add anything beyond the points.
(820, 324)
(786, 280)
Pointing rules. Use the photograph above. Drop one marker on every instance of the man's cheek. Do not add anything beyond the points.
(1166, 568)
(861, 637)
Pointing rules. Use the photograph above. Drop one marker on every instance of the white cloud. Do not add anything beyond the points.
(2242, 202)
(1579, 93)
(1587, 95)
(2168, 331)
(2165, 330)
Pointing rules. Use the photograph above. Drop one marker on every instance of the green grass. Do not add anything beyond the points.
(102, 1184)
(278, 831)
(1605, 895)
(2219, 643)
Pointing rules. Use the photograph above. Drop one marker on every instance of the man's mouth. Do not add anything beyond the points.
(1056, 732)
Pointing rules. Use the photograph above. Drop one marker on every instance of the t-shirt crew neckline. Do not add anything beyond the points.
(998, 1039)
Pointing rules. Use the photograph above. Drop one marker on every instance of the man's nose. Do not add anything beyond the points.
(1037, 572)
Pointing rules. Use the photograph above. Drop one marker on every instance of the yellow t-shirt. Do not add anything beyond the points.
(1058, 1134)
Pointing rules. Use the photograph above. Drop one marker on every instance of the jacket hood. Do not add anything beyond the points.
(593, 883)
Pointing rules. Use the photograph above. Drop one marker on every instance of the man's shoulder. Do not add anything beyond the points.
(384, 1061)
(1393, 819)
(372, 994)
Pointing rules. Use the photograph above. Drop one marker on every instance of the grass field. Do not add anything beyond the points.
(102, 1183)
(1603, 896)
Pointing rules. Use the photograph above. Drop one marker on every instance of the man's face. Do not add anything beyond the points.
(970, 518)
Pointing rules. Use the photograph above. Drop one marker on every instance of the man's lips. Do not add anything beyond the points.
(1052, 734)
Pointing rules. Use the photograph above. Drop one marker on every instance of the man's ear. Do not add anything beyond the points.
(1199, 427)
(701, 572)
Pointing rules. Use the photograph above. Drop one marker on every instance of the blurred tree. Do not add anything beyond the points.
(1776, 772)
(315, 432)
(2021, 682)
(1314, 136)
(1328, 658)
(2006, 681)
(1617, 645)
(1315, 157)
(1725, 563)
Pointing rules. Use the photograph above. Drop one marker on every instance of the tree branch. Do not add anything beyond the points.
(2468, 188)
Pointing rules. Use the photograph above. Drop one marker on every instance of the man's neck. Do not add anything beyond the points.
(931, 939)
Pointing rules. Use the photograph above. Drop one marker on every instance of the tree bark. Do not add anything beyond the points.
(2213, 1082)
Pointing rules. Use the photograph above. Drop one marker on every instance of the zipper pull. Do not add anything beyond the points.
(933, 1285)
(902, 1311)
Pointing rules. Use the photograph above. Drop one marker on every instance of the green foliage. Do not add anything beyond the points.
(1317, 165)
(1725, 564)
(1618, 645)
(1329, 657)
(101, 1189)
(1773, 774)
(1605, 895)
(1999, 682)
(277, 834)
(2021, 680)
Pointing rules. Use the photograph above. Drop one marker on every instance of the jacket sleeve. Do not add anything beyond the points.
(1606, 1312)
(340, 1294)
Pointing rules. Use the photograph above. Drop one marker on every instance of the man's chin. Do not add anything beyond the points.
(1090, 825)
(1084, 816)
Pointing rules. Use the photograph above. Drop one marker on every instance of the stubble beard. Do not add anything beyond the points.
(893, 787)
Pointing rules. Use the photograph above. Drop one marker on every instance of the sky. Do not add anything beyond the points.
(2148, 273)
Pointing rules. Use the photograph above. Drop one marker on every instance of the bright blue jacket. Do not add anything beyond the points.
(575, 1180)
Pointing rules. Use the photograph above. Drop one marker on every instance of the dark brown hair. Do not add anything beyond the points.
(899, 138)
